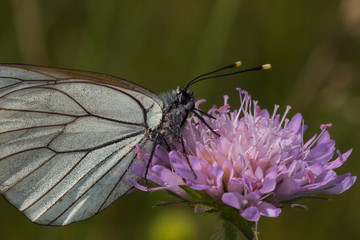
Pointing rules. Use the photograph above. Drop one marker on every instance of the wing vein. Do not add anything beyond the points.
(70, 115)
(94, 182)
(125, 93)
(36, 111)
(66, 94)
(56, 183)
(11, 85)
(27, 175)
(29, 149)
(35, 127)
(34, 71)
(104, 144)
(112, 190)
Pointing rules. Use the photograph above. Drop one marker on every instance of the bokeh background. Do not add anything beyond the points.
(314, 49)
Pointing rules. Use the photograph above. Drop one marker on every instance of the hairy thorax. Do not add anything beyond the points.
(177, 106)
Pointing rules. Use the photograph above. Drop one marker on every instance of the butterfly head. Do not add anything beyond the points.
(185, 98)
(181, 98)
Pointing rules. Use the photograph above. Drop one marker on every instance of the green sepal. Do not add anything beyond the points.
(233, 223)
(232, 216)
(297, 202)
(196, 195)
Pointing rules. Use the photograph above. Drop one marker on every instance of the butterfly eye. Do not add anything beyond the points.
(184, 98)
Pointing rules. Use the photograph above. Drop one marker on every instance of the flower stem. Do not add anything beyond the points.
(234, 224)
(230, 232)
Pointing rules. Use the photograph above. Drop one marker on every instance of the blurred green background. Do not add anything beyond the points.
(314, 49)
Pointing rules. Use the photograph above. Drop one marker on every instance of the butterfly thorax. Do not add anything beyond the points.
(177, 105)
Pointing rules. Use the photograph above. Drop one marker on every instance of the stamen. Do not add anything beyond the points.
(242, 161)
(256, 155)
(286, 122)
(138, 152)
(310, 176)
(226, 97)
(250, 104)
(239, 139)
(302, 135)
(250, 148)
(242, 101)
(323, 128)
(276, 107)
(283, 118)
(255, 107)
(246, 98)
(229, 153)
(223, 108)
(340, 155)
(265, 196)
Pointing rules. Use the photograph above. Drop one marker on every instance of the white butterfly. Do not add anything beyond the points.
(68, 137)
(67, 140)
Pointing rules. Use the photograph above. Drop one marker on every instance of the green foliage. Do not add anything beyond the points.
(313, 46)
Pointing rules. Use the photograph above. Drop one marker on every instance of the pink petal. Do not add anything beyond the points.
(143, 188)
(295, 123)
(269, 183)
(344, 185)
(251, 214)
(287, 188)
(235, 185)
(138, 169)
(268, 210)
(232, 199)
(339, 161)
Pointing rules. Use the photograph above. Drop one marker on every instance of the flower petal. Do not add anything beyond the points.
(251, 214)
(232, 199)
(295, 123)
(269, 183)
(339, 161)
(138, 169)
(287, 188)
(346, 182)
(268, 210)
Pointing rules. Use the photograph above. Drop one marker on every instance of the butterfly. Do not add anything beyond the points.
(68, 138)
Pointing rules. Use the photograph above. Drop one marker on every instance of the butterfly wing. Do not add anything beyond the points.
(67, 140)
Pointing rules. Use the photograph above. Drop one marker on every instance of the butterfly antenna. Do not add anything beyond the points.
(234, 65)
(203, 76)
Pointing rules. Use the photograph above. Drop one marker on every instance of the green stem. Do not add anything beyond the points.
(230, 232)
(234, 224)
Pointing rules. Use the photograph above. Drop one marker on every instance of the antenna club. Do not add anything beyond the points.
(266, 66)
(237, 64)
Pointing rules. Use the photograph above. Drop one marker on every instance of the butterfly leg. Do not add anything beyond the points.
(150, 159)
(168, 148)
(204, 113)
(201, 119)
(186, 156)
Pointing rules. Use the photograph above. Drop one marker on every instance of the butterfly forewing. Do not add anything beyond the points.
(67, 140)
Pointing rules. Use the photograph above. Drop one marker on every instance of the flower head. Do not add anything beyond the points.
(259, 161)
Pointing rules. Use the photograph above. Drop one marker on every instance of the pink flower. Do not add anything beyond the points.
(258, 162)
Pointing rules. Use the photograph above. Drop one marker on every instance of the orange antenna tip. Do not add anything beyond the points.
(266, 66)
(237, 64)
